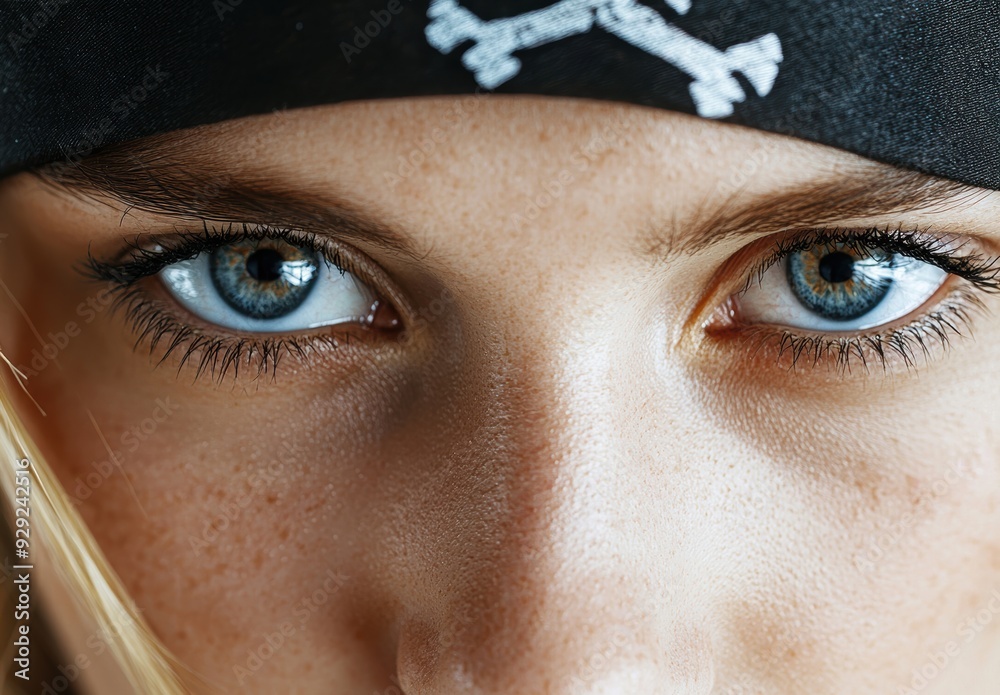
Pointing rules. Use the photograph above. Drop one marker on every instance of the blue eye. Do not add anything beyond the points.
(837, 288)
(263, 281)
(836, 284)
(267, 286)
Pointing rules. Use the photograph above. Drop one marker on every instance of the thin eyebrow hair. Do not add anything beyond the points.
(165, 176)
(870, 190)
(179, 174)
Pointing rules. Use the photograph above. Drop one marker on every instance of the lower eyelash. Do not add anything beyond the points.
(906, 344)
(168, 332)
(218, 356)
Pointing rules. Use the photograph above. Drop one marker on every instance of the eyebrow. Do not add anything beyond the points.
(868, 190)
(165, 178)
(177, 175)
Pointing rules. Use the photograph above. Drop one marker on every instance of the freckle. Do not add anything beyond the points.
(283, 534)
(271, 498)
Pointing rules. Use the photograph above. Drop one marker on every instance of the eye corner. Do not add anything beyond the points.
(909, 324)
(297, 299)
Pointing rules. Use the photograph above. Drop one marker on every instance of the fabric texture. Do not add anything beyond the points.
(914, 83)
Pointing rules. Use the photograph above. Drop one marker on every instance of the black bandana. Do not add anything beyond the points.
(914, 83)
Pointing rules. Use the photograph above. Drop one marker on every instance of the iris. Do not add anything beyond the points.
(837, 283)
(263, 279)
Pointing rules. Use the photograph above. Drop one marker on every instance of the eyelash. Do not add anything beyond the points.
(223, 355)
(142, 262)
(906, 343)
(982, 271)
(218, 356)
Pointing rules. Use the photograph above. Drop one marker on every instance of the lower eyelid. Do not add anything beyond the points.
(721, 340)
(176, 334)
(908, 343)
(172, 336)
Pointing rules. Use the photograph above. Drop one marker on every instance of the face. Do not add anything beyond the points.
(511, 395)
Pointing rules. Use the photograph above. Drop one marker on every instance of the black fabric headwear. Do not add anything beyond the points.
(914, 83)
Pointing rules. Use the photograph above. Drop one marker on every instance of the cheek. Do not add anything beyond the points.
(815, 542)
(200, 526)
(207, 498)
(883, 535)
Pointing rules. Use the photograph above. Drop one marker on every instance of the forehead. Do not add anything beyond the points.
(540, 170)
(430, 133)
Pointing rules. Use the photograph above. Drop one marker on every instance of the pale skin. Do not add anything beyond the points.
(552, 478)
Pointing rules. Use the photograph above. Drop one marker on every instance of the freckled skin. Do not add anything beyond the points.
(554, 485)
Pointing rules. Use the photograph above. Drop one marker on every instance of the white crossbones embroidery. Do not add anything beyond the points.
(714, 89)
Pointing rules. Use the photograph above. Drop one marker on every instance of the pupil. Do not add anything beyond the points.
(837, 267)
(264, 265)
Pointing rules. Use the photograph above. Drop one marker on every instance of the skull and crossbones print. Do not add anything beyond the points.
(714, 88)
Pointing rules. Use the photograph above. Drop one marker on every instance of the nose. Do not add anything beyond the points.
(546, 572)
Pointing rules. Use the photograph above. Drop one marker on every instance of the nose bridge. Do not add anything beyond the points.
(560, 599)
(567, 461)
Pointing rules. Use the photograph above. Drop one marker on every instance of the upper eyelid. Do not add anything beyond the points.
(138, 260)
(341, 255)
(977, 267)
(747, 266)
